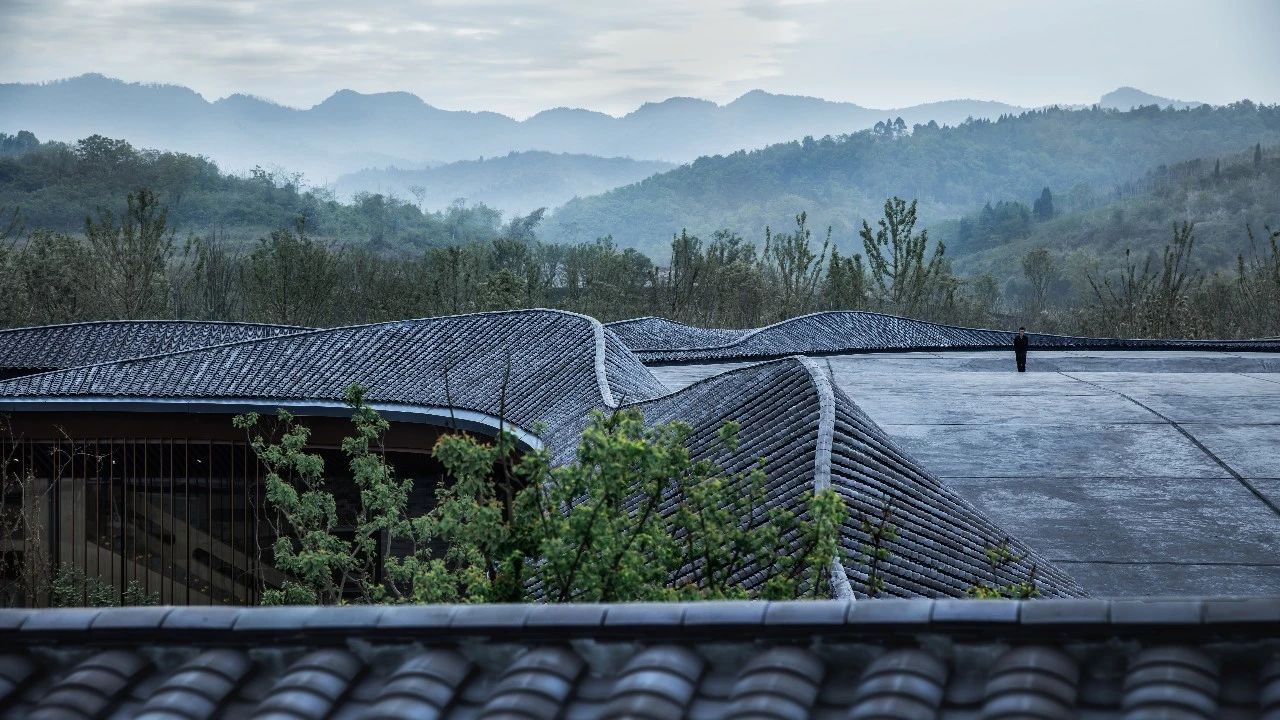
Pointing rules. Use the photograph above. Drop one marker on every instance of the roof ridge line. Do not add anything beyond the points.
(600, 373)
(747, 365)
(602, 378)
(822, 459)
(1173, 343)
(156, 321)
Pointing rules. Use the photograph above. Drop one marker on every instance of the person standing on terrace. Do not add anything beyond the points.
(1020, 343)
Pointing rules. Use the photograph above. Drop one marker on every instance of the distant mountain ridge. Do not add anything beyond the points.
(516, 183)
(350, 131)
(951, 170)
(1128, 98)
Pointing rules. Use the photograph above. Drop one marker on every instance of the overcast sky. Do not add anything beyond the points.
(520, 56)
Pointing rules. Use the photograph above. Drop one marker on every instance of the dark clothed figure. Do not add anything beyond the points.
(1020, 342)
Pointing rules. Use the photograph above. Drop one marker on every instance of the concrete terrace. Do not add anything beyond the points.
(1141, 473)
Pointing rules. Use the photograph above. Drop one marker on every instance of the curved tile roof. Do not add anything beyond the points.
(51, 347)
(826, 659)
(656, 340)
(813, 436)
(561, 366)
(655, 333)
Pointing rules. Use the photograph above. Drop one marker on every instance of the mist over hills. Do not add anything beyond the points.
(350, 131)
(839, 181)
(516, 183)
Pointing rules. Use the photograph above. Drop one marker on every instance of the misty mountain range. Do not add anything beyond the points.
(516, 183)
(351, 131)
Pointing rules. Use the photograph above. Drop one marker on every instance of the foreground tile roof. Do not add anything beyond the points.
(51, 347)
(657, 340)
(828, 659)
(814, 436)
(561, 367)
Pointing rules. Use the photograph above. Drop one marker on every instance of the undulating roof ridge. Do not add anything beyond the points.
(639, 333)
(46, 347)
(554, 347)
(810, 434)
(566, 365)
(659, 340)
(822, 459)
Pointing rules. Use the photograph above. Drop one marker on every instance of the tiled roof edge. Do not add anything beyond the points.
(156, 321)
(655, 355)
(822, 459)
(868, 617)
(601, 377)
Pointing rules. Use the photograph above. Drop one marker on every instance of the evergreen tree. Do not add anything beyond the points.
(1257, 156)
(1043, 207)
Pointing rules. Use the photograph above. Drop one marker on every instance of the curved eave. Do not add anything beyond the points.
(452, 418)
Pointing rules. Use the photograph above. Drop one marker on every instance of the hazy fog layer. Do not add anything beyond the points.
(522, 56)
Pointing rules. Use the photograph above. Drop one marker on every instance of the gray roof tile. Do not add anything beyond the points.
(811, 434)
(407, 663)
(656, 340)
(55, 347)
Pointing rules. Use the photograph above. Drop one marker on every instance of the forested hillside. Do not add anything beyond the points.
(1219, 195)
(515, 183)
(55, 185)
(951, 170)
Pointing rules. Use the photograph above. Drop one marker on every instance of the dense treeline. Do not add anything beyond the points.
(952, 170)
(54, 184)
(1219, 194)
(129, 264)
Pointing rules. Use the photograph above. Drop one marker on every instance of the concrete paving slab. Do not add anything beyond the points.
(1158, 520)
(1257, 409)
(1208, 384)
(923, 380)
(982, 408)
(1017, 450)
(1251, 450)
(678, 377)
(1149, 579)
(1269, 487)
(1110, 491)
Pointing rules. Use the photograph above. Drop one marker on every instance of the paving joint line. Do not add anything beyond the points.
(1194, 440)
(1170, 563)
(1255, 377)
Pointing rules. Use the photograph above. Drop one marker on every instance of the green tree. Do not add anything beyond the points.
(50, 271)
(327, 567)
(132, 257)
(502, 290)
(510, 527)
(846, 282)
(1041, 270)
(1043, 206)
(901, 276)
(291, 278)
(794, 266)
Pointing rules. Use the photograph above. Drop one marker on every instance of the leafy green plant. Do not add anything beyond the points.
(999, 557)
(72, 587)
(880, 531)
(633, 518)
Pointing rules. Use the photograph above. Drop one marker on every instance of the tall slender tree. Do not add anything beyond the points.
(133, 256)
(902, 277)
